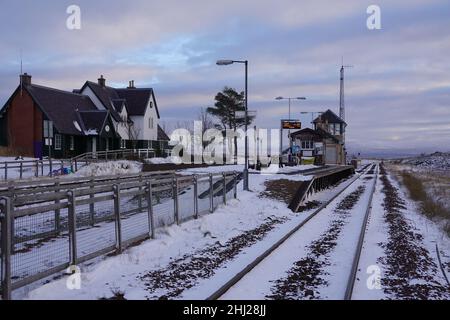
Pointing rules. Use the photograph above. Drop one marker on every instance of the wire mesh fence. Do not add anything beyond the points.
(45, 231)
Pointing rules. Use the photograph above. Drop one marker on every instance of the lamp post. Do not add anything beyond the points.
(289, 99)
(245, 62)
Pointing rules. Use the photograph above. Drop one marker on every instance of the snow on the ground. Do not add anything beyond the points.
(109, 168)
(272, 169)
(159, 160)
(377, 233)
(120, 272)
(258, 283)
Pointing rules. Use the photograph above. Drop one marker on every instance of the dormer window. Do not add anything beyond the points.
(151, 104)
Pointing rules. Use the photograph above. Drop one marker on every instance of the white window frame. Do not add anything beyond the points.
(72, 143)
(123, 144)
(150, 122)
(58, 142)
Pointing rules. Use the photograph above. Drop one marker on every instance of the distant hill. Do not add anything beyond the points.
(435, 161)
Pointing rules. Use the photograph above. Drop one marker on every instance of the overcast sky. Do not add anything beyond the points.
(397, 94)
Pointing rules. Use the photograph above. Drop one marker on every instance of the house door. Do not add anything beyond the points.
(331, 155)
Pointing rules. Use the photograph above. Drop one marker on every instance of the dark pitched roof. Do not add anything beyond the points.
(329, 116)
(93, 120)
(60, 106)
(137, 100)
(162, 135)
(106, 95)
(318, 132)
(305, 131)
(119, 104)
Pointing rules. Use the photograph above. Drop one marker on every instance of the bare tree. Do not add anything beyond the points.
(133, 133)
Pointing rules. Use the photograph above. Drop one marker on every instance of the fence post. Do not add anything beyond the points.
(235, 185)
(6, 233)
(151, 226)
(76, 164)
(71, 166)
(195, 196)
(57, 201)
(62, 167)
(175, 201)
(116, 191)
(140, 195)
(51, 167)
(42, 168)
(37, 169)
(11, 192)
(224, 188)
(72, 227)
(6, 170)
(91, 205)
(21, 170)
(211, 194)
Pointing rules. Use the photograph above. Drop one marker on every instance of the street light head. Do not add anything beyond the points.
(224, 62)
(279, 98)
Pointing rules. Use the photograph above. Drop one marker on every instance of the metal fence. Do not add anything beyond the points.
(45, 229)
(21, 169)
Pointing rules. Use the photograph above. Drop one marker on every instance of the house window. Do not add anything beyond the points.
(151, 104)
(58, 141)
(307, 145)
(150, 123)
(123, 144)
(72, 143)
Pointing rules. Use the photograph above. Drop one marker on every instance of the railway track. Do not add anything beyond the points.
(246, 272)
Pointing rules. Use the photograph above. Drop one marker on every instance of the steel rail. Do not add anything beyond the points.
(236, 278)
(360, 244)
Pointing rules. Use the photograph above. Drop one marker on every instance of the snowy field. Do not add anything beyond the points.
(120, 273)
(192, 260)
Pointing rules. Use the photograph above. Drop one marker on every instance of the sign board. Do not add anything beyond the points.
(291, 124)
(48, 129)
(295, 149)
(48, 141)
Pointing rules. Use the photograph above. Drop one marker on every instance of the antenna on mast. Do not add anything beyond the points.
(341, 96)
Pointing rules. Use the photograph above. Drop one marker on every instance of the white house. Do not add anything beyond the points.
(134, 112)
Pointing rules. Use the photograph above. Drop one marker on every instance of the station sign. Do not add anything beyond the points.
(291, 124)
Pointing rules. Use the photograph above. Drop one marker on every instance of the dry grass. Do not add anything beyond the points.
(429, 206)
(8, 152)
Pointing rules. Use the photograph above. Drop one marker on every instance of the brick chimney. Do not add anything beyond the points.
(102, 81)
(25, 79)
(131, 85)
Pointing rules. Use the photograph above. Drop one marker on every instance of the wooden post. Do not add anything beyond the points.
(92, 205)
(224, 188)
(6, 170)
(51, 167)
(235, 185)
(195, 179)
(12, 195)
(175, 201)
(151, 222)
(72, 227)
(57, 211)
(21, 170)
(6, 239)
(140, 196)
(37, 169)
(211, 193)
(116, 191)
